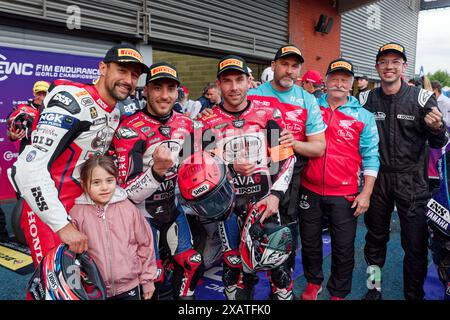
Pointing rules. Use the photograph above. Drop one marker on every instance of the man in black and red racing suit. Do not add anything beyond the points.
(77, 121)
(157, 129)
(246, 136)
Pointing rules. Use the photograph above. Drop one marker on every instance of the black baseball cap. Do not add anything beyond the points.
(287, 50)
(125, 53)
(162, 70)
(232, 62)
(340, 65)
(391, 47)
(362, 77)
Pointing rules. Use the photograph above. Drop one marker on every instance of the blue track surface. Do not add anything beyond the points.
(13, 285)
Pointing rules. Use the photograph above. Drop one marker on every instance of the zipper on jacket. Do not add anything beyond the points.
(109, 251)
(326, 151)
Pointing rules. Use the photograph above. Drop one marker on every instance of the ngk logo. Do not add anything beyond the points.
(18, 68)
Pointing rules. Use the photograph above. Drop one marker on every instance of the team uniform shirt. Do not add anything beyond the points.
(253, 135)
(301, 113)
(75, 124)
(134, 143)
(352, 144)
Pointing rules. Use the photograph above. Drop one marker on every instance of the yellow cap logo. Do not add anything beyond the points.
(163, 69)
(341, 64)
(392, 46)
(290, 49)
(130, 53)
(231, 62)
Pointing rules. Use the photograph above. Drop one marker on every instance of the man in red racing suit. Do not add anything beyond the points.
(246, 136)
(77, 121)
(157, 129)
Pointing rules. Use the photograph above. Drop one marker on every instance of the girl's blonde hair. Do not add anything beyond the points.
(105, 162)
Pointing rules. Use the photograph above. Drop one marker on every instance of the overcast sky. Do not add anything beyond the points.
(433, 40)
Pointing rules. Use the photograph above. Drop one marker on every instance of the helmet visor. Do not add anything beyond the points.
(216, 205)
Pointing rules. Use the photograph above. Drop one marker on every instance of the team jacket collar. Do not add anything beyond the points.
(238, 114)
(96, 96)
(403, 89)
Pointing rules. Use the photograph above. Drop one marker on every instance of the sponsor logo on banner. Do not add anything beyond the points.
(10, 67)
(21, 68)
(9, 155)
(18, 68)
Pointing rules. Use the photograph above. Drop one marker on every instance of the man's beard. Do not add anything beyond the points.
(285, 83)
(116, 95)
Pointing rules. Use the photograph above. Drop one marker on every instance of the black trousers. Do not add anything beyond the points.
(342, 226)
(3, 231)
(410, 195)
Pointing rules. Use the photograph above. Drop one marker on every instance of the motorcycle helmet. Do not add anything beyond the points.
(263, 246)
(64, 275)
(267, 75)
(205, 188)
(23, 118)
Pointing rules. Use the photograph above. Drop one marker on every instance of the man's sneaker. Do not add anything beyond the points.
(372, 294)
(337, 298)
(311, 292)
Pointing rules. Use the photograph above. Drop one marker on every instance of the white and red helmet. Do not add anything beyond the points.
(263, 246)
(64, 275)
(23, 118)
(204, 186)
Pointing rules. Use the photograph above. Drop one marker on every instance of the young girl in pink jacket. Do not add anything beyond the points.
(119, 239)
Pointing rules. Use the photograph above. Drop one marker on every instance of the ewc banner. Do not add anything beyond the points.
(19, 70)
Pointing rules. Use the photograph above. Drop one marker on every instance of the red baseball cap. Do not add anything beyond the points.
(186, 91)
(312, 76)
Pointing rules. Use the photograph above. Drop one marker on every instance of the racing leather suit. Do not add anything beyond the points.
(252, 134)
(74, 124)
(402, 180)
(134, 143)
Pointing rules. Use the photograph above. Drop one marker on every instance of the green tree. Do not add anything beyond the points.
(442, 76)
